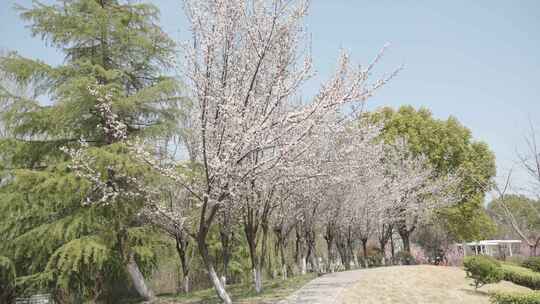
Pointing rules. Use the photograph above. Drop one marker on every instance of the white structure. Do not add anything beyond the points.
(494, 248)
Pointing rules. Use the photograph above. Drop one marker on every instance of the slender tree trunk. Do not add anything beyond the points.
(186, 284)
(181, 249)
(214, 278)
(329, 242)
(343, 251)
(406, 241)
(382, 245)
(138, 280)
(392, 248)
(257, 279)
(281, 244)
(226, 247)
(364, 251)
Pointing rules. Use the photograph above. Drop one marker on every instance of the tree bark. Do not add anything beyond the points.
(218, 286)
(138, 280)
(203, 251)
(406, 242)
(329, 237)
(364, 251)
(181, 248)
(405, 233)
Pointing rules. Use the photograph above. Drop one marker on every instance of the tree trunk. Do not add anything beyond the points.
(216, 282)
(257, 279)
(405, 233)
(186, 283)
(138, 280)
(225, 254)
(406, 242)
(329, 240)
(303, 266)
(343, 253)
(382, 245)
(364, 251)
(181, 249)
(392, 248)
(283, 259)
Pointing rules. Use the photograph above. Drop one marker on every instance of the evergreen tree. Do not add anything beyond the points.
(115, 59)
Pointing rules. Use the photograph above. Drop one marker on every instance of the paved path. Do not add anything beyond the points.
(327, 289)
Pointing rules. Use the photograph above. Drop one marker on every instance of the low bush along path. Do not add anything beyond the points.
(398, 284)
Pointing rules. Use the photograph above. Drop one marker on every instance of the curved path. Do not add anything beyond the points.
(327, 289)
(422, 284)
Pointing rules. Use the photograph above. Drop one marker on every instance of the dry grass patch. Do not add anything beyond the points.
(420, 285)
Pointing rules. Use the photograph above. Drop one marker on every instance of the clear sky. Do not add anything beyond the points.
(475, 60)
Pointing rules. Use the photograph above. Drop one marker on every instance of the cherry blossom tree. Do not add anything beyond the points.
(245, 66)
(420, 190)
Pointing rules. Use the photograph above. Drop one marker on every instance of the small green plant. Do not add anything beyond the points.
(515, 298)
(533, 263)
(483, 270)
(7, 280)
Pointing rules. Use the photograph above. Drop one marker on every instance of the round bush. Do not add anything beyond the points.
(483, 270)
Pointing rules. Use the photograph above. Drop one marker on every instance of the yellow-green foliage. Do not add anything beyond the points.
(533, 263)
(515, 298)
(521, 276)
(483, 270)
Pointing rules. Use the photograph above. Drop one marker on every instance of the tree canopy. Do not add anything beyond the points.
(450, 148)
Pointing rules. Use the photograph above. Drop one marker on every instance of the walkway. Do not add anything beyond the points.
(327, 289)
(422, 284)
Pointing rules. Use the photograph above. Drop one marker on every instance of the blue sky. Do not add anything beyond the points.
(475, 60)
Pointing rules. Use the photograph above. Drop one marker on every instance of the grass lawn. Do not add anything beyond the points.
(421, 284)
(273, 291)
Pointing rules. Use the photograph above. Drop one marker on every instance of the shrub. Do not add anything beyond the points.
(405, 258)
(483, 270)
(521, 276)
(533, 263)
(7, 280)
(515, 298)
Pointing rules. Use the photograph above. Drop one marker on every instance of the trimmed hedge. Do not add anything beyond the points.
(521, 276)
(483, 270)
(515, 298)
(533, 263)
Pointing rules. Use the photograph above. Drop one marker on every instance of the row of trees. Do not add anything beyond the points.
(122, 160)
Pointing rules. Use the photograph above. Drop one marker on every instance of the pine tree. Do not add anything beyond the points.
(55, 240)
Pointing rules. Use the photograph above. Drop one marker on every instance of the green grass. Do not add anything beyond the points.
(273, 291)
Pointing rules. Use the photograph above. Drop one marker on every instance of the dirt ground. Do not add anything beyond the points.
(420, 285)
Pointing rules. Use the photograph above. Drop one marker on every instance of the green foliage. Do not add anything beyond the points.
(533, 263)
(7, 280)
(523, 209)
(450, 148)
(56, 242)
(521, 276)
(483, 270)
(515, 298)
